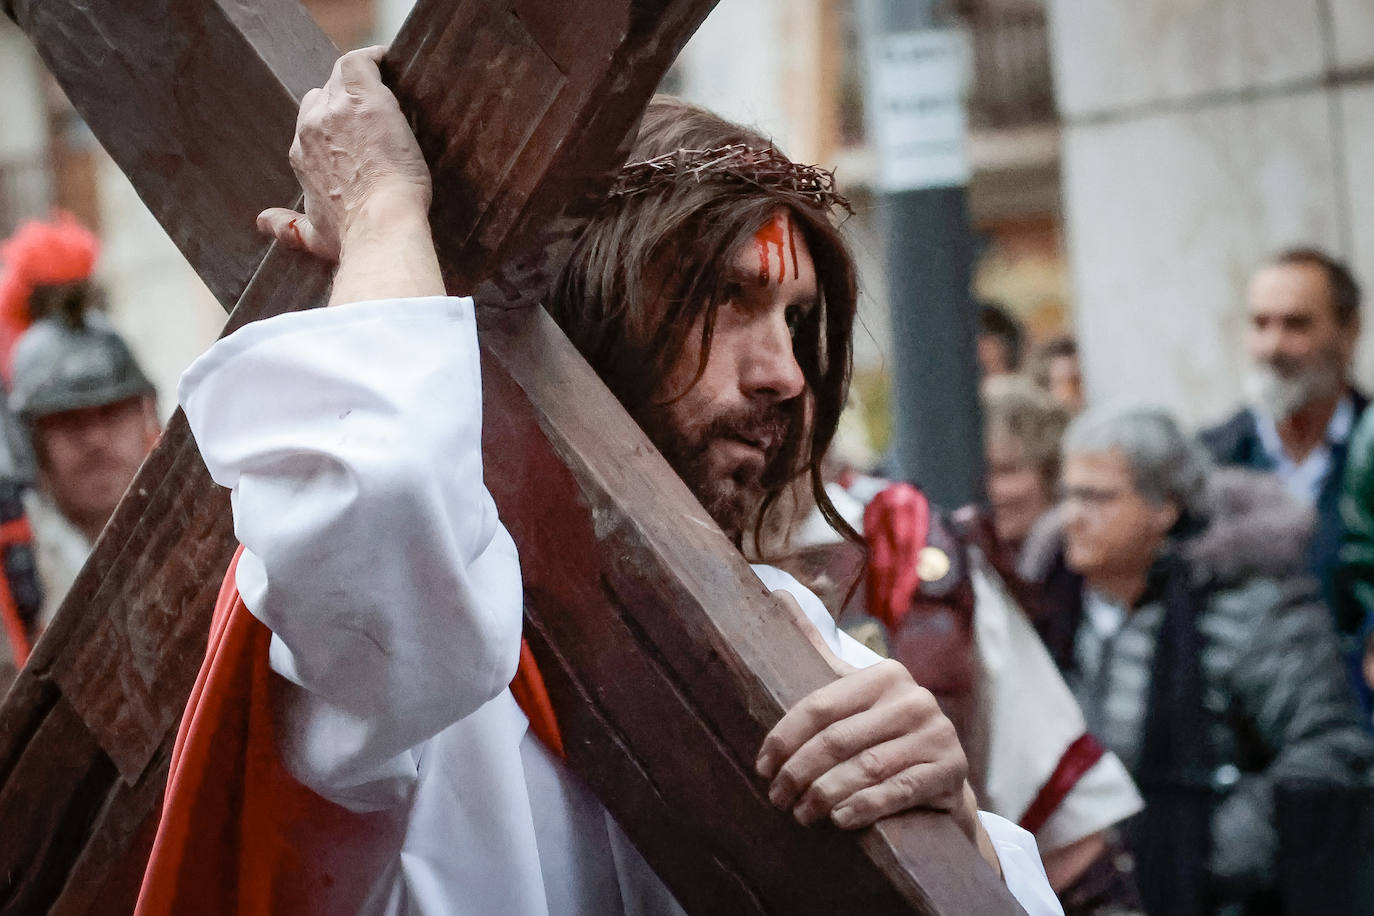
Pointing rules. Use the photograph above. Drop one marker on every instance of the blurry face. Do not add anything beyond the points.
(1299, 352)
(1018, 492)
(1110, 529)
(88, 457)
(1066, 383)
(993, 358)
(724, 430)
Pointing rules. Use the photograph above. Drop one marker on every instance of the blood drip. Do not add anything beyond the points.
(768, 237)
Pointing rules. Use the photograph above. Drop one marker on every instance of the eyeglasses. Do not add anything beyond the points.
(1093, 498)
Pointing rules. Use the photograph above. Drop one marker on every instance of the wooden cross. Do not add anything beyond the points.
(666, 659)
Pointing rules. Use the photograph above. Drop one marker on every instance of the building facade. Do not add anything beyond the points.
(1198, 138)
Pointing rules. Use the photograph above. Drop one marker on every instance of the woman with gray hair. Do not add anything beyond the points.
(1168, 469)
(1199, 652)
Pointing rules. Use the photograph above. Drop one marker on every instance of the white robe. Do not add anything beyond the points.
(60, 550)
(350, 438)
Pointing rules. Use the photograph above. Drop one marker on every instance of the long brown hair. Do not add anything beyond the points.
(651, 264)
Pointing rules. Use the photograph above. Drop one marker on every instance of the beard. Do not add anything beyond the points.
(1283, 386)
(731, 493)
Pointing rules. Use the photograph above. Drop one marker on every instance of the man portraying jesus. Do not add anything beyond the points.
(715, 297)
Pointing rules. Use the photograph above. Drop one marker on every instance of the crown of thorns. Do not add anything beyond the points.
(766, 169)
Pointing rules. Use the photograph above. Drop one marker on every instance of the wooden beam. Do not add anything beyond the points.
(520, 152)
(186, 98)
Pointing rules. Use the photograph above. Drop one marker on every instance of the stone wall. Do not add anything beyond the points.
(24, 180)
(1199, 136)
(156, 300)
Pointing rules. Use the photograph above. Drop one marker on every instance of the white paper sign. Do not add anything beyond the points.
(916, 109)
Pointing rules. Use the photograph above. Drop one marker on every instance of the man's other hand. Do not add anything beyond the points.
(870, 744)
(357, 161)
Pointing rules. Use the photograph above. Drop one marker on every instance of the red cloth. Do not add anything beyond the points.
(39, 254)
(20, 633)
(238, 834)
(533, 697)
(896, 525)
(1077, 760)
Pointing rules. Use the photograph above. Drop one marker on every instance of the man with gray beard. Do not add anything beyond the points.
(1303, 320)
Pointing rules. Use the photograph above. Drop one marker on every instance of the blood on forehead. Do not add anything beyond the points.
(778, 233)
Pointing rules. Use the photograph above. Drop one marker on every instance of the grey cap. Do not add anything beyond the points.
(58, 368)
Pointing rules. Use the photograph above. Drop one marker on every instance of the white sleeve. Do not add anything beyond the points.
(849, 649)
(351, 440)
(1022, 869)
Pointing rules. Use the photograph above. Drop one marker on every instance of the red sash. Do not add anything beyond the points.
(238, 834)
(21, 636)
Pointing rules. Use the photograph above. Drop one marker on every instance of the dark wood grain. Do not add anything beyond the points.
(191, 99)
(668, 659)
(47, 805)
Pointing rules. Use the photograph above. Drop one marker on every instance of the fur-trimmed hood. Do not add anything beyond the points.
(1255, 527)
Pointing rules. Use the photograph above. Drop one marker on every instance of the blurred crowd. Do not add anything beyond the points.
(1158, 645)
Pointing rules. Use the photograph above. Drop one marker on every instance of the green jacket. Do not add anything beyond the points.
(1353, 583)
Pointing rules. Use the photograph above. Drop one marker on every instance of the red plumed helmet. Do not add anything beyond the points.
(39, 254)
(896, 526)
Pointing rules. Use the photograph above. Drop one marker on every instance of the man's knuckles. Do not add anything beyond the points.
(296, 155)
(841, 740)
(827, 705)
(349, 64)
(309, 102)
(911, 710)
(919, 786)
(886, 762)
(799, 771)
(876, 763)
(831, 777)
(867, 800)
(868, 769)
(945, 745)
(815, 758)
(890, 672)
(358, 68)
(311, 136)
(939, 736)
(876, 802)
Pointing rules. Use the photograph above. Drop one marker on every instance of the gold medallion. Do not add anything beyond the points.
(932, 564)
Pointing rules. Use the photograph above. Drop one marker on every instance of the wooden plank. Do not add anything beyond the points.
(142, 583)
(84, 855)
(105, 878)
(47, 804)
(190, 98)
